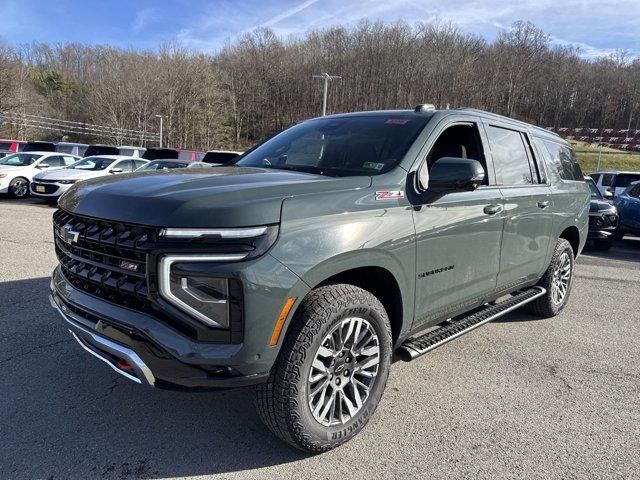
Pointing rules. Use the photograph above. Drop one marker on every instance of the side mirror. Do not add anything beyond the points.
(116, 170)
(608, 194)
(450, 175)
(43, 165)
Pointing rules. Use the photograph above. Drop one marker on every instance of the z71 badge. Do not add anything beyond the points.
(389, 194)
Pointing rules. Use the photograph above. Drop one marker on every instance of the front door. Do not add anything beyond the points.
(458, 236)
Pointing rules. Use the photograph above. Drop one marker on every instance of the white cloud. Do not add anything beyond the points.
(144, 17)
(597, 26)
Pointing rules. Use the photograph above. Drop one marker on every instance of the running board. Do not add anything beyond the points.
(414, 347)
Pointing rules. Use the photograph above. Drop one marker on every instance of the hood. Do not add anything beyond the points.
(69, 174)
(216, 197)
(598, 205)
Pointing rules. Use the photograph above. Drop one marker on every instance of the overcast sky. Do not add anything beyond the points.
(597, 26)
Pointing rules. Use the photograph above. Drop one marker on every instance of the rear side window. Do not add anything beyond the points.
(607, 179)
(509, 156)
(595, 176)
(635, 191)
(563, 161)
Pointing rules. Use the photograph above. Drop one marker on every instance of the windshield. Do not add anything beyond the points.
(625, 179)
(92, 163)
(340, 146)
(162, 166)
(595, 193)
(20, 159)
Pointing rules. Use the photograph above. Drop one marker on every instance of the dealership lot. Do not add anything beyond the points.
(520, 397)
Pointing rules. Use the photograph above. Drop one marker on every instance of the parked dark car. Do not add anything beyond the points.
(320, 255)
(160, 153)
(169, 164)
(603, 218)
(98, 149)
(39, 147)
(628, 203)
(220, 157)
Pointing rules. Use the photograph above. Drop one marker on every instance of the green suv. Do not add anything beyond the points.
(319, 257)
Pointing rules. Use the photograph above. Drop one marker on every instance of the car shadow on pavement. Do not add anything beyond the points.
(38, 202)
(626, 249)
(67, 415)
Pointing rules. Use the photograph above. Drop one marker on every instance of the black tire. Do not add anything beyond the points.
(283, 402)
(603, 245)
(545, 306)
(19, 187)
(618, 234)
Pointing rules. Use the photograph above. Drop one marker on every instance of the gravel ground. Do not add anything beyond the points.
(519, 398)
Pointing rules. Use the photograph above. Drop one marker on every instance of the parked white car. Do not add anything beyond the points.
(18, 169)
(53, 184)
(614, 181)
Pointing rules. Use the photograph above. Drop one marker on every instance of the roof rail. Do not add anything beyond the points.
(503, 117)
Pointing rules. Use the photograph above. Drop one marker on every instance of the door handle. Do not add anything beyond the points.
(544, 204)
(492, 209)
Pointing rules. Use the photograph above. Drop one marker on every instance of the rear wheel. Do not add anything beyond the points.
(331, 371)
(19, 187)
(557, 280)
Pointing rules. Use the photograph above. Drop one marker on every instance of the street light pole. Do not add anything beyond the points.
(160, 117)
(327, 78)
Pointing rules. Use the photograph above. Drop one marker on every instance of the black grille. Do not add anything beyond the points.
(48, 189)
(104, 258)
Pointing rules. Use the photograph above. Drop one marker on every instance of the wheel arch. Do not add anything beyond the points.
(572, 235)
(377, 272)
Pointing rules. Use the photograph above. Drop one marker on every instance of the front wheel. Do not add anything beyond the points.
(331, 371)
(19, 187)
(557, 280)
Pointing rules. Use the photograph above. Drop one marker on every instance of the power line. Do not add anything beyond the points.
(68, 126)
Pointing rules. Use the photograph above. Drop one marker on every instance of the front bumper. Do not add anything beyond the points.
(602, 226)
(157, 354)
(48, 189)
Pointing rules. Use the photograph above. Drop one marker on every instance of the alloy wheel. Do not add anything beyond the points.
(20, 188)
(561, 279)
(343, 372)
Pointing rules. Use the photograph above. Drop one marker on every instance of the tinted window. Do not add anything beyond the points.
(563, 161)
(595, 176)
(65, 148)
(139, 163)
(623, 180)
(509, 156)
(5, 145)
(635, 191)
(340, 146)
(607, 179)
(163, 165)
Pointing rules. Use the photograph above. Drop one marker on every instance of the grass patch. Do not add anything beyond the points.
(610, 158)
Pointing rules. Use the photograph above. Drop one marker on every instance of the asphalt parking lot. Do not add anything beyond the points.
(518, 398)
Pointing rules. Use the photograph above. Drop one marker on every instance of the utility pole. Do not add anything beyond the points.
(327, 78)
(160, 117)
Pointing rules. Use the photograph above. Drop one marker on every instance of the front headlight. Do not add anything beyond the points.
(67, 182)
(204, 297)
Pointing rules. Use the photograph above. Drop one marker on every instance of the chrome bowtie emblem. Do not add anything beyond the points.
(129, 265)
(69, 235)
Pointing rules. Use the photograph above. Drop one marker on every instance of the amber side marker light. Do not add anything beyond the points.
(275, 336)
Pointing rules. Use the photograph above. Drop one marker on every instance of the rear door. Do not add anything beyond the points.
(527, 205)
